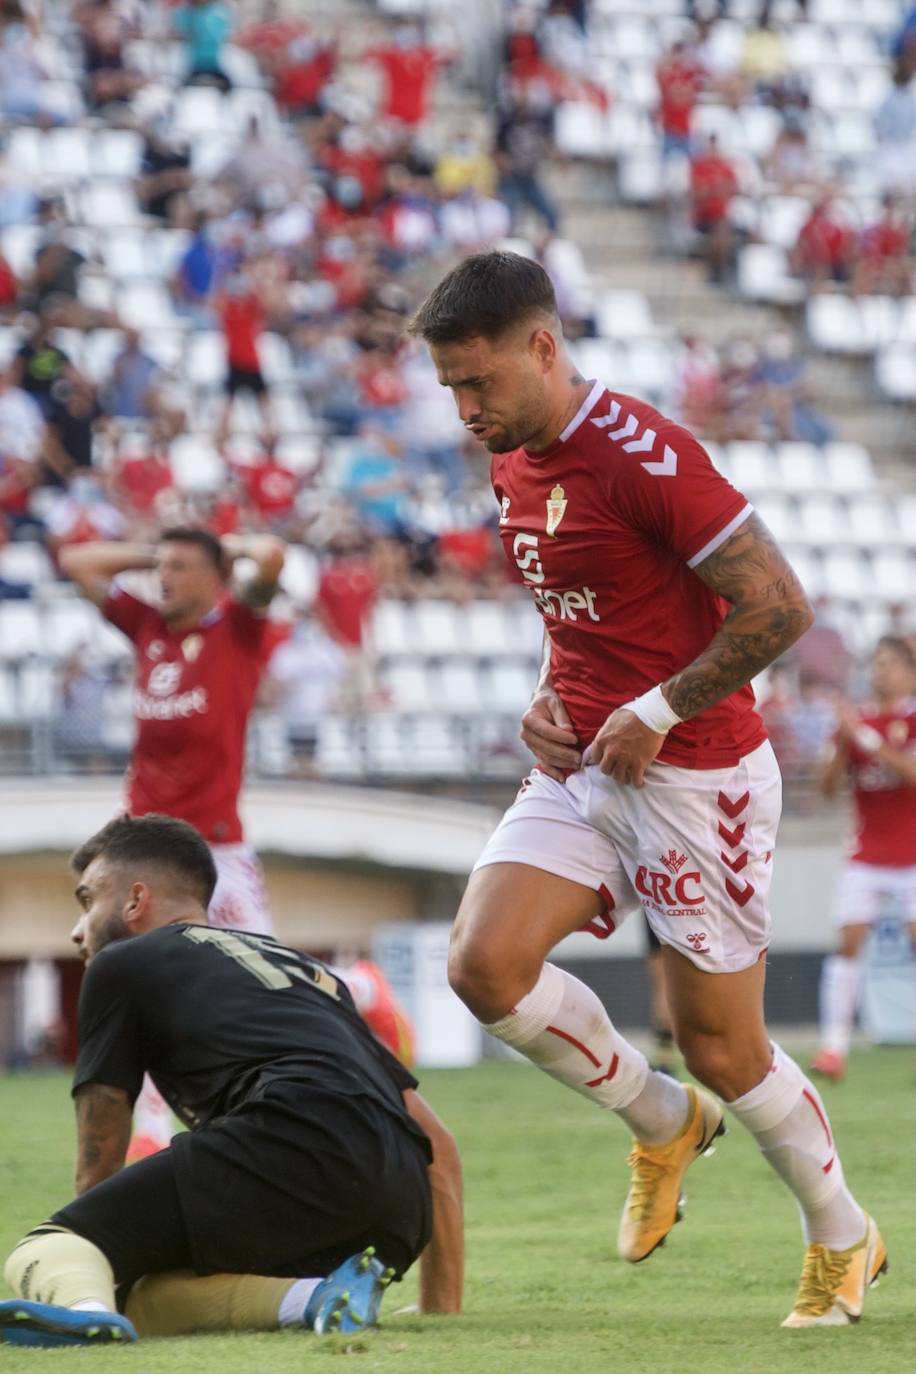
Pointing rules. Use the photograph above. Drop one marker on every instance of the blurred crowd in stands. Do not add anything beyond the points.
(835, 246)
(203, 298)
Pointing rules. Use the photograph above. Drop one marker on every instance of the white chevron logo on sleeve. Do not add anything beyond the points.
(665, 467)
(604, 420)
(625, 430)
(643, 444)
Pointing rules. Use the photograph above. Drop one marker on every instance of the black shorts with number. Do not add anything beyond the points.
(241, 379)
(289, 1185)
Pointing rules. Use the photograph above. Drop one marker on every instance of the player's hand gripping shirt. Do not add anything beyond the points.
(885, 831)
(604, 528)
(193, 693)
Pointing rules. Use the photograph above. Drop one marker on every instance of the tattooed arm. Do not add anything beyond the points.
(769, 612)
(103, 1118)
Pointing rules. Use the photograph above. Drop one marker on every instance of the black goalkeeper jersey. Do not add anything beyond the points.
(218, 1018)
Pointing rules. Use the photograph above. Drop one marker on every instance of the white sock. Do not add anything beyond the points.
(561, 1026)
(839, 997)
(295, 1301)
(789, 1121)
(88, 1305)
(152, 1115)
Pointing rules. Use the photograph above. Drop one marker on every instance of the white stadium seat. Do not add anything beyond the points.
(196, 465)
(892, 575)
(895, 373)
(68, 626)
(849, 467)
(823, 521)
(752, 465)
(20, 630)
(435, 628)
(846, 574)
(623, 315)
(392, 632)
(834, 324)
(780, 517)
(801, 467)
(873, 521)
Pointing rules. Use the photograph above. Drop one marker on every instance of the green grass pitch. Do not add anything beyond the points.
(545, 1177)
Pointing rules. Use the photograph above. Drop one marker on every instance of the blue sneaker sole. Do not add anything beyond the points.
(41, 1324)
(355, 1292)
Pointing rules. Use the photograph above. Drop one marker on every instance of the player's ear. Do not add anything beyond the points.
(137, 905)
(543, 346)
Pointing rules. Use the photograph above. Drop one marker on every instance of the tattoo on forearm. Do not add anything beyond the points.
(577, 379)
(258, 594)
(769, 612)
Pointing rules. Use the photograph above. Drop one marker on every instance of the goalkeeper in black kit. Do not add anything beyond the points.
(312, 1173)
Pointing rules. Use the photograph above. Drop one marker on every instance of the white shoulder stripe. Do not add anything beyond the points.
(590, 401)
(721, 537)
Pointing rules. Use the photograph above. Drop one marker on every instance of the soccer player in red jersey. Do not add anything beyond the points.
(663, 595)
(200, 655)
(875, 748)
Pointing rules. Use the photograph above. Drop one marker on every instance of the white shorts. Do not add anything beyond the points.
(240, 899)
(868, 891)
(693, 847)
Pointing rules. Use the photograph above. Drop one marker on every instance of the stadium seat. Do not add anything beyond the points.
(640, 178)
(808, 567)
(849, 467)
(68, 626)
(205, 360)
(19, 242)
(779, 516)
(752, 465)
(763, 275)
(873, 522)
(781, 218)
(392, 628)
(9, 697)
(895, 373)
(823, 521)
(147, 305)
(846, 574)
(834, 324)
(299, 578)
(509, 686)
(458, 688)
(37, 690)
(408, 682)
(116, 153)
(25, 562)
(801, 467)
(196, 465)
(435, 628)
(880, 317)
(892, 575)
(108, 205)
(581, 130)
(200, 110)
(20, 630)
(623, 315)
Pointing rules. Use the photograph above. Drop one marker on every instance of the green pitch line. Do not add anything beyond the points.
(545, 1179)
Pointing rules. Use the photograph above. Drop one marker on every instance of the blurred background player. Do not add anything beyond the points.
(199, 656)
(875, 748)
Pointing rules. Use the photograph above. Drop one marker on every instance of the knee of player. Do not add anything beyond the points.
(480, 979)
(726, 1068)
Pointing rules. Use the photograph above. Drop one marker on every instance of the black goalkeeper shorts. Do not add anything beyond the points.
(266, 1190)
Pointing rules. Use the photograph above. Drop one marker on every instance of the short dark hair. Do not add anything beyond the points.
(203, 539)
(482, 297)
(901, 647)
(166, 843)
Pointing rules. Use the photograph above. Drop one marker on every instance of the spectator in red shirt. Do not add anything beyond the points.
(241, 313)
(680, 81)
(9, 290)
(713, 184)
(885, 265)
(271, 490)
(347, 591)
(409, 69)
(826, 245)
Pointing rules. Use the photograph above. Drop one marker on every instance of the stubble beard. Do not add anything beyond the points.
(114, 928)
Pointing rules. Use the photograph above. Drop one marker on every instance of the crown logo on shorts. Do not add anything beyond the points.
(673, 861)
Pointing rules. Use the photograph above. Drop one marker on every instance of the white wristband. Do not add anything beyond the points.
(868, 739)
(654, 711)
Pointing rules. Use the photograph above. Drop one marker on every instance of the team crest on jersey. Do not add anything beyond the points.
(897, 733)
(155, 648)
(191, 646)
(504, 511)
(556, 509)
(673, 861)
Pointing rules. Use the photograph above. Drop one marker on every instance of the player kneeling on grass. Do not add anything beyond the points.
(312, 1174)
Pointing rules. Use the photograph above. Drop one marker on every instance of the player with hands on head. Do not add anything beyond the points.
(874, 748)
(200, 652)
(662, 594)
(312, 1172)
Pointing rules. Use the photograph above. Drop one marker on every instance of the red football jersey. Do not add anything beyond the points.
(604, 527)
(193, 692)
(885, 831)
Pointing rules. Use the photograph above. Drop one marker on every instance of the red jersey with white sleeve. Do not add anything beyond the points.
(193, 693)
(604, 527)
(885, 831)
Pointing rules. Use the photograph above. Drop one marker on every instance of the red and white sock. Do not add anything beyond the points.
(789, 1121)
(152, 1117)
(839, 997)
(561, 1026)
